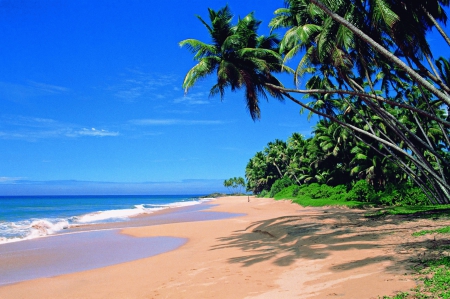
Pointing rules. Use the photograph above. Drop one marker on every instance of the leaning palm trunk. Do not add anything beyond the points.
(436, 186)
(390, 56)
(410, 144)
(245, 61)
(436, 24)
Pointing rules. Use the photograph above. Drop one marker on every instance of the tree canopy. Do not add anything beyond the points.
(235, 183)
(372, 77)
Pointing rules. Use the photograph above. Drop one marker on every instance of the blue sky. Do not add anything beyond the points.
(92, 101)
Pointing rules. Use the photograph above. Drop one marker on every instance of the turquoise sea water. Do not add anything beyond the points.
(28, 217)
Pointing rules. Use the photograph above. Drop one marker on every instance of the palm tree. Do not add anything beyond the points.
(379, 48)
(351, 48)
(358, 82)
(302, 20)
(276, 155)
(240, 58)
(260, 175)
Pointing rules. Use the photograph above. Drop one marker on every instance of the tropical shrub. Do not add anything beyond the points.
(295, 190)
(404, 194)
(363, 191)
(279, 185)
(263, 193)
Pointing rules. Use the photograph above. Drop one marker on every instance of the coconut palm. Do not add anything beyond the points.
(240, 58)
(351, 50)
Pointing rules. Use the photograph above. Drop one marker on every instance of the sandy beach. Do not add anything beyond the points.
(276, 250)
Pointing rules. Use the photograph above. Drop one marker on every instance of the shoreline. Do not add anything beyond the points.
(81, 213)
(30, 258)
(276, 250)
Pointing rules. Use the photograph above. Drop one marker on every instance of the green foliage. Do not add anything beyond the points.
(363, 191)
(236, 183)
(317, 195)
(403, 295)
(402, 194)
(264, 193)
(382, 121)
(316, 191)
(288, 193)
(435, 277)
(426, 211)
(295, 190)
(280, 185)
(361, 194)
(442, 230)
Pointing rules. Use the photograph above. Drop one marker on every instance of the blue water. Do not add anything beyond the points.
(25, 217)
(48, 257)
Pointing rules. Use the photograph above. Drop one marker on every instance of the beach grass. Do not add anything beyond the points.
(433, 272)
(442, 230)
(425, 211)
(322, 202)
(318, 200)
(434, 275)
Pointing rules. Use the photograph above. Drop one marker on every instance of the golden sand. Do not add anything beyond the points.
(277, 250)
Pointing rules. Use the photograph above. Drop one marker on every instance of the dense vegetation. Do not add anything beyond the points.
(235, 183)
(329, 165)
(371, 76)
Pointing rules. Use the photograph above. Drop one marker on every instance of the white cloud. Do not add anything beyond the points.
(33, 129)
(199, 98)
(169, 122)
(18, 92)
(138, 85)
(95, 132)
(9, 180)
(49, 88)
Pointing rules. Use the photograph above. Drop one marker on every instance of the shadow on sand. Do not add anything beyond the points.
(317, 234)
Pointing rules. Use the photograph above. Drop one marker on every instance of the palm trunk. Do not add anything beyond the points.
(364, 95)
(391, 57)
(279, 171)
(421, 164)
(438, 27)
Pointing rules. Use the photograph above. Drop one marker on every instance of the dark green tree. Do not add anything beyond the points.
(371, 71)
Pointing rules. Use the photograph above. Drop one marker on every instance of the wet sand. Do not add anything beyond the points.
(277, 250)
(86, 247)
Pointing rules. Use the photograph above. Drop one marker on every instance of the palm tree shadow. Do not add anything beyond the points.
(286, 239)
(315, 236)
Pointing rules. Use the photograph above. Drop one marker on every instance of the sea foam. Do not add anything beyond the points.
(36, 228)
(30, 229)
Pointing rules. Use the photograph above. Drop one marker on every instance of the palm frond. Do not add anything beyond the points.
(202, 69)
(200, 49)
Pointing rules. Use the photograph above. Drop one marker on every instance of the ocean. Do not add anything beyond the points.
(29, 217)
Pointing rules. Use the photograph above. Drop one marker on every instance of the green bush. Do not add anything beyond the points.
(402, 195)
(339, 193)
(415, 196)
(263, 193)
(288, 193)
(364, 192)
(295, 190)
(314, 191)
(317, 191)
(279, 185)
(303, 195)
